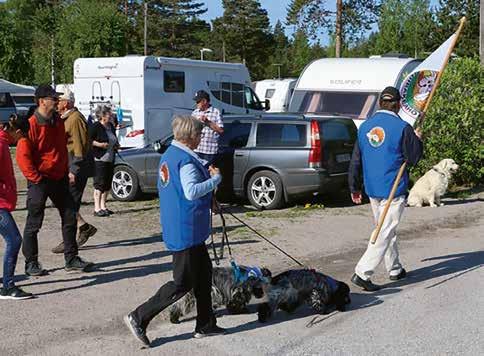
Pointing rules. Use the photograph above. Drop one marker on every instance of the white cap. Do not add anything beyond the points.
(67, 94)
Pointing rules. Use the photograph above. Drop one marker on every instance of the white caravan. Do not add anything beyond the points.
(348, 86)
(146, 92)
(277, 91)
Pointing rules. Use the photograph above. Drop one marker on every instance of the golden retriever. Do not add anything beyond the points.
(432, 185)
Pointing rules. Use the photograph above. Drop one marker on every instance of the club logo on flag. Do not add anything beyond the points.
(164, 175)
(376, 136)
(415, 91)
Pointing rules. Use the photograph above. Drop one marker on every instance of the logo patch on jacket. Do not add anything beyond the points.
(376, 136)
(164, 174)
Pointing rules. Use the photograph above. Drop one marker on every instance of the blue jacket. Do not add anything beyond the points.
(186, 223)
(385, 141)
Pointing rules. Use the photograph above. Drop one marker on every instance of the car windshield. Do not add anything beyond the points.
(356, 105)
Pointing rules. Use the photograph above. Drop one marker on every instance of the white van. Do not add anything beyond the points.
(14, 99)
(348, 86)
(146, 91)
(277, 91)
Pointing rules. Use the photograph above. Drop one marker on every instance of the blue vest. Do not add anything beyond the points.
(380, 141)
(185, 223)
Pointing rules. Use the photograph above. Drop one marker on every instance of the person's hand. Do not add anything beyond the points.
(204, 119)
(104, 145)
(356, 197)
(213, 170)
(418, 132)
(72, 178)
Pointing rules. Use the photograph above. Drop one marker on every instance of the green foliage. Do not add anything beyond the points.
(454, 125)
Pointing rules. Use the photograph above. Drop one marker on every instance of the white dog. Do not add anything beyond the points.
(432, 185)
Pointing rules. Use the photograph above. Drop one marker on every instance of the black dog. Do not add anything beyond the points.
(231, 287)
(292, 288)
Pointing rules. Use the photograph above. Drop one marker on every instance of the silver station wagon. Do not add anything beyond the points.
(268, 159)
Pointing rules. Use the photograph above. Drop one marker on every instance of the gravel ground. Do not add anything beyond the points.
(438, 309)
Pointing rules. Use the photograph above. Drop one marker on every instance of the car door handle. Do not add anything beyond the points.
(240, 155)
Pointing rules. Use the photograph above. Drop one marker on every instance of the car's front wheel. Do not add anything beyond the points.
(125, 186)
(264, 190)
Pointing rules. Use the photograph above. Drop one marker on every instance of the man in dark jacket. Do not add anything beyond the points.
(185, 188)
(46, 170)
(384, 142)
(79, 161)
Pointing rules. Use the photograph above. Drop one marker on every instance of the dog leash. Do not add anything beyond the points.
(318, 319)
(258, 234)
(225, 238)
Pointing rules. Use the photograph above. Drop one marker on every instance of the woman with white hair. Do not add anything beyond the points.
(102, 136)
(185, 189)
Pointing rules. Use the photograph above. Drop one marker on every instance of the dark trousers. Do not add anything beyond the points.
(37, 194)
(210, 158)
(192, 268)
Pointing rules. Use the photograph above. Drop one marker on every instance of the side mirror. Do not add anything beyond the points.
(157, 146)
(267, 104)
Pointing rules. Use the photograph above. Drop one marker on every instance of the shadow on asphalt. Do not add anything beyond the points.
(459, 263)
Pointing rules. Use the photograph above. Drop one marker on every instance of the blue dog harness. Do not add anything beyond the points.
(241, 276)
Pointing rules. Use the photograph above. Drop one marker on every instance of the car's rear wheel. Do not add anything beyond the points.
(125, 184)
(265, 191)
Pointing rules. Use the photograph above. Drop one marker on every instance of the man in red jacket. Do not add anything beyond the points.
(43, 161)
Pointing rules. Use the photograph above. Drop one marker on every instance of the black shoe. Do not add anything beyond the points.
(59, 248)
(85, 232)
(15, 293)
(109, 212)
(136, 329)
(77, 264)
(101, 213)
(399, 276)
(34, 268)
(209, 331)
(366, 285)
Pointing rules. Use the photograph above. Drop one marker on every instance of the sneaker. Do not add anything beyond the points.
(399, 276)
(101, 213)
(366, 285)
(209, 331)
(34, 268)
(85, 232)
(110, 212)
(59, 248)
(77, 264)
(138, 332)
(15, 293)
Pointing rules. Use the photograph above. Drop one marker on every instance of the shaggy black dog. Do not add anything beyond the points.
(292, 288)
(231, 288)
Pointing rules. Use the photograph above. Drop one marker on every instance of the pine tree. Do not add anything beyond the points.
(278, 57)
(448, 15)
(245, 30)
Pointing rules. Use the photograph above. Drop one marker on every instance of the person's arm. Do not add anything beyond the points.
(215, 123)
(355, 174)
(193, 183)
(412, 146)
(78, 133)
(25, 161)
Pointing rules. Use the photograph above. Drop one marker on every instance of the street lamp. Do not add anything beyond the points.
(204, 50)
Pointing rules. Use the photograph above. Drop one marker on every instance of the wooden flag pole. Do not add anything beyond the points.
(377, 230)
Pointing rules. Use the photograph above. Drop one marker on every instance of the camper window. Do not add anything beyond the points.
(251, 101)
(174, 82)
(354, 104)
(229, 93)
(270, 93)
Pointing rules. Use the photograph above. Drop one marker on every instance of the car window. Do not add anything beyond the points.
(335, 131)
(236, 134)
(6, 100)
(280, 135)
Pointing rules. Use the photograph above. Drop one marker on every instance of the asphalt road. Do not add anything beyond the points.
(438, 309)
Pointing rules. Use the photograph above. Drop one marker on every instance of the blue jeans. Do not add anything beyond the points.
(13, 240)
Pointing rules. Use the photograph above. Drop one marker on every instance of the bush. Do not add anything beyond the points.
(454, 124)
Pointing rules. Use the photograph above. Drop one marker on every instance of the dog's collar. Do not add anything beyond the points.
(439, 172)
(251, 272)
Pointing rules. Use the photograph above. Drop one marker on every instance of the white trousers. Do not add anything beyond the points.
(386, 244)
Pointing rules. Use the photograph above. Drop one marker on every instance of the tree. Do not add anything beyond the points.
(349, 21)
(245, 30)
(279, 57)
(448, 15)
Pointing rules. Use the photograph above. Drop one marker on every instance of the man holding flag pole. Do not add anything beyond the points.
(385, 144)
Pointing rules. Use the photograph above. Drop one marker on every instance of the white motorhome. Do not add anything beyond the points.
(348, 86)
(277, 91)
(146, 91)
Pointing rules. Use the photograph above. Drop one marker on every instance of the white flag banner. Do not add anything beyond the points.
(416, 87)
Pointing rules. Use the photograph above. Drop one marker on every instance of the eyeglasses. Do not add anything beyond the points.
(51, 98)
